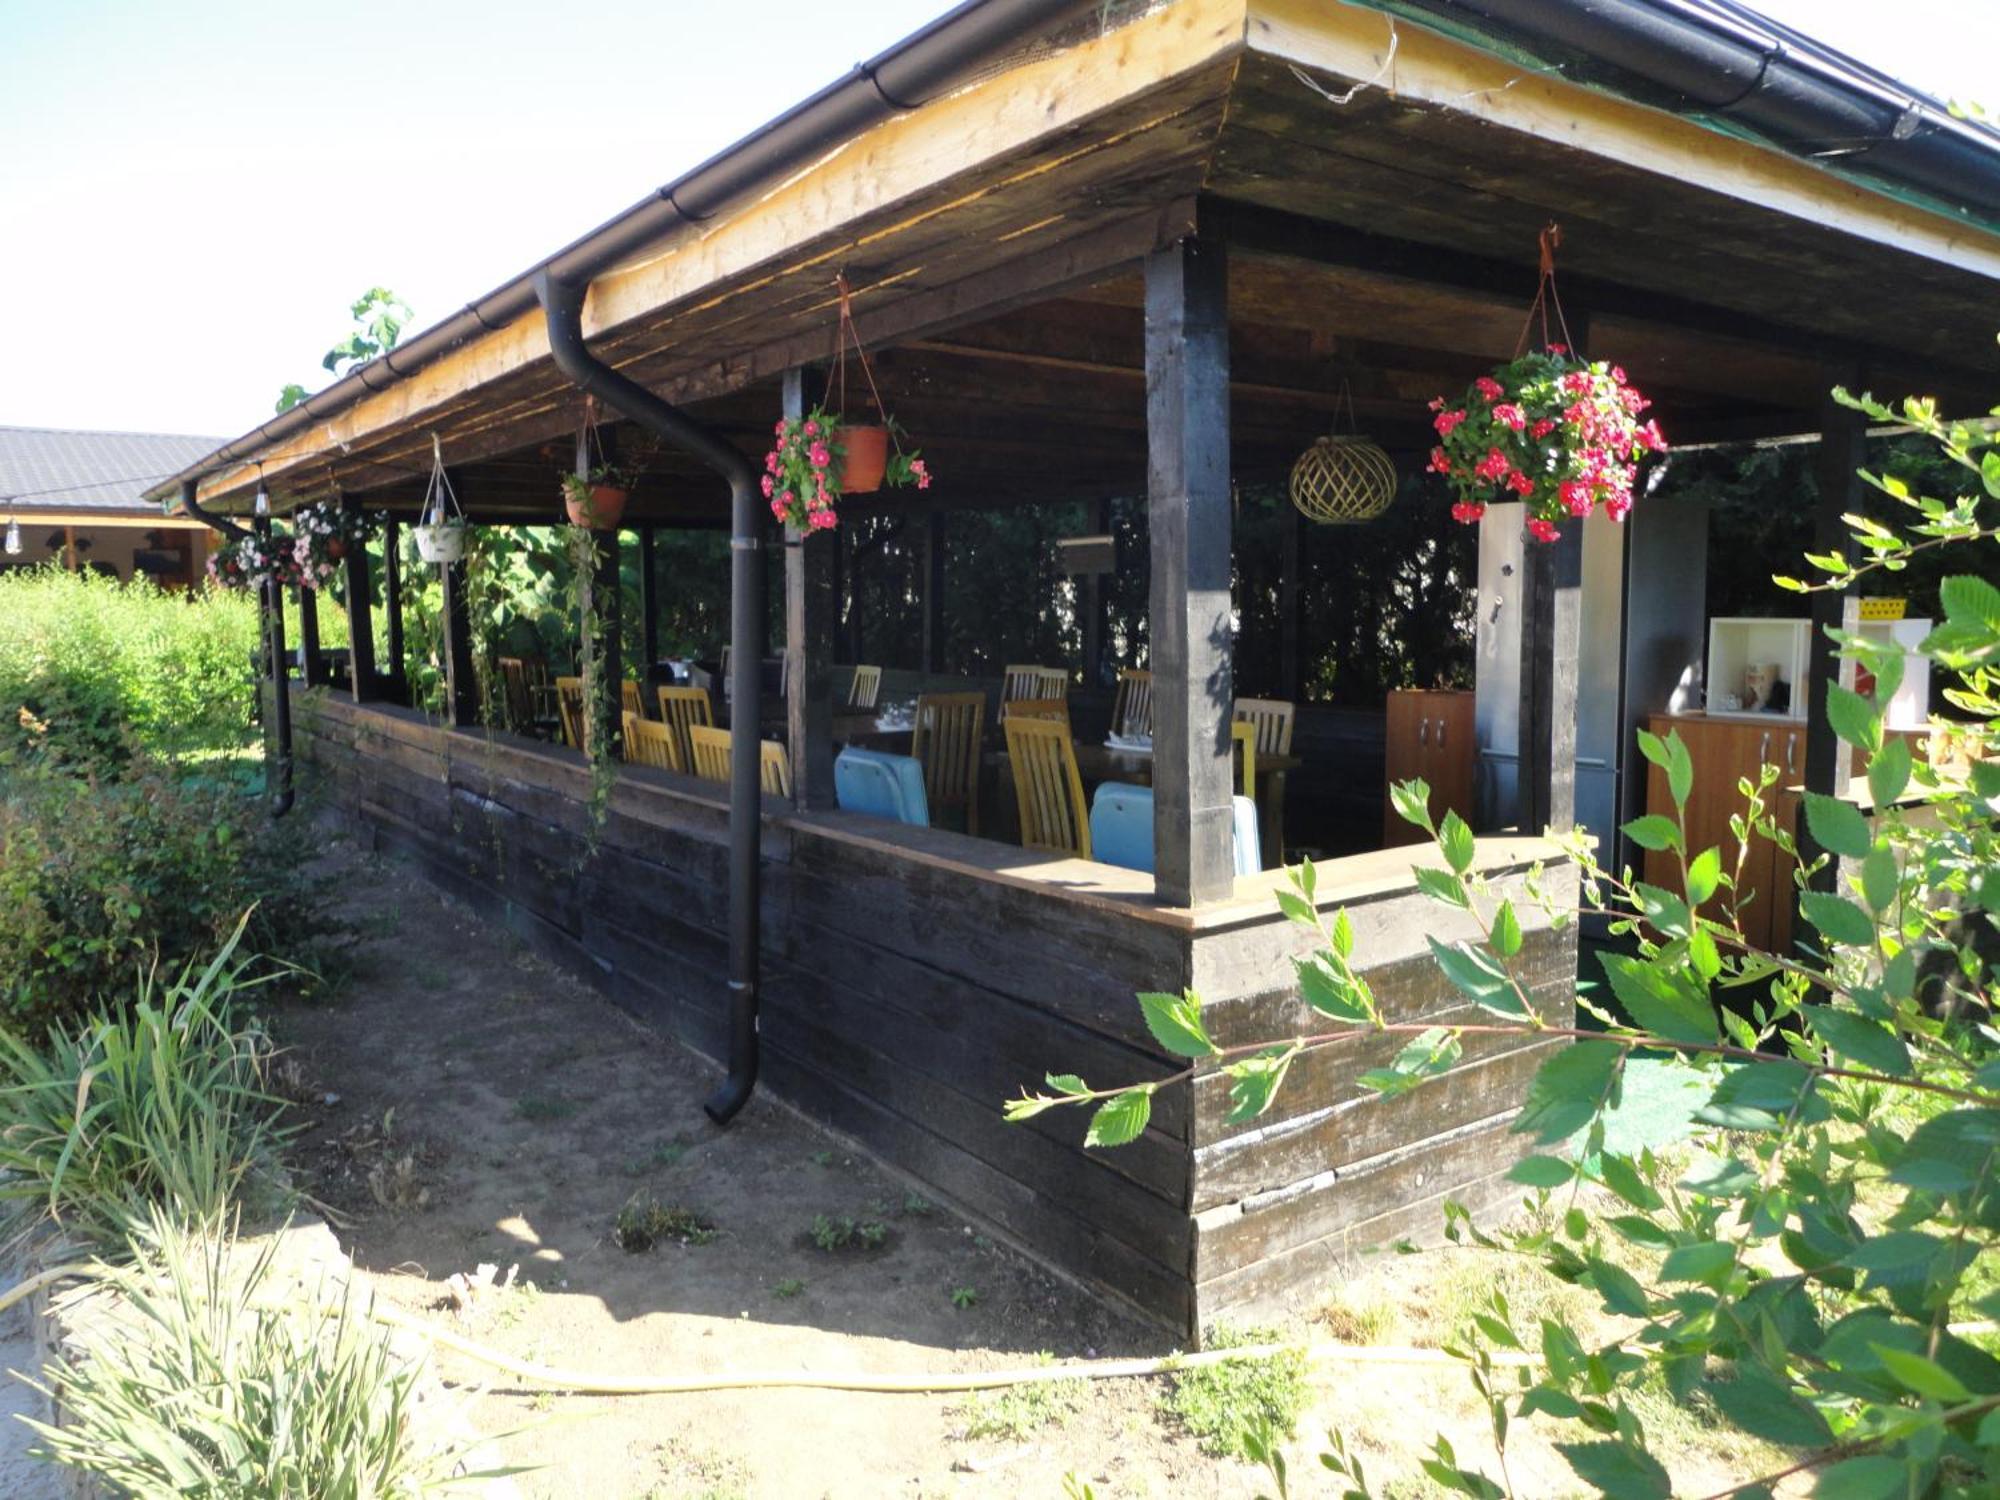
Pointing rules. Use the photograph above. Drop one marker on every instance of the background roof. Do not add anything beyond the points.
(44, 468)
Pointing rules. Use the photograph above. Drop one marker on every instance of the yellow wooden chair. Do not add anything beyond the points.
(1273, 718)
(1040, 708)
(569, 699)
(1243, 736)
(1047, 788)
(683, 709)
(774, 769)
(711, 751)
(866, 689)
(946, 742)
(648, 742)
(1132, 708)
(630, 700)
(1020, 681)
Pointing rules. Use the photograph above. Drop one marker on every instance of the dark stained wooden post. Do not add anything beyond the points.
(361, 679)
(1843, 451)
(461, 678)
(1290, 670)
(312, 666)
(392, 603)
(842, 645)
(1187, 484)
(809, 622)
(649, 605)
(1091, 605)
(933, 549)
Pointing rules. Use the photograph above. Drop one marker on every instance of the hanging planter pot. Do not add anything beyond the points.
(443, 542)
(440, 534)
(866, 459)
(594, 502)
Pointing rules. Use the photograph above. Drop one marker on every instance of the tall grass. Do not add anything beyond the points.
(159, 1105)
(215, 1377)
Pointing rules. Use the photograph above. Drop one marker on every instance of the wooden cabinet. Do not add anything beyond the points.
(1428, 734)
(1725, 751)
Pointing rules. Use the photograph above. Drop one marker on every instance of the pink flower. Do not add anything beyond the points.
(1466, 513)
(1559, 350)
(1440, 462)
(786, 498)
(1651, 437)
(769, 485)
(823, 520)
(1617, 506)
(1493, 466)
(1543, 428)
(1520, 483)
(780, 428)
(818, 454)
(923, 475)
(812, 428)
(778, 509)
(771, 462)
(1576, 497)
(1446, 421)
(1510, 415)
(1542, 531)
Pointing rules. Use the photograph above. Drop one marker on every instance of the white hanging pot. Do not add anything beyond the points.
(443, 542)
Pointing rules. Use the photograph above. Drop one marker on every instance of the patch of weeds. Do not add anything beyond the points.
(541, 1109)
(645, 1222)
(790, 1287)
(519, 1300)
(1020, 1411)
(918, 1206)
(1221, 1405)
(383, 922)
(982, 1242)
(833, 1233)
(663, 1154)
(687, 1472)
(821, 1158)
(964, 1297)
(1352, 1318)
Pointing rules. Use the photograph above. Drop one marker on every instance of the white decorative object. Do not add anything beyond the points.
(1910, 705)
(440, 532)
(1757, 667)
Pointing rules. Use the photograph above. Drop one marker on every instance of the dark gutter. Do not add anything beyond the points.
(897, 80)
(1722, 60)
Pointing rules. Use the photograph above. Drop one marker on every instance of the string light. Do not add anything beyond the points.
(262, 504)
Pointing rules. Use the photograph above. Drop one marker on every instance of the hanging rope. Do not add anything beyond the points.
(844, 335)
(1546, 297)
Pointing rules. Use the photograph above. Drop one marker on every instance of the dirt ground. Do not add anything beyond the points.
(465, 1104)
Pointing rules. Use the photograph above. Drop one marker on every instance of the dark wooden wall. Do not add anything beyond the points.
(908, 991)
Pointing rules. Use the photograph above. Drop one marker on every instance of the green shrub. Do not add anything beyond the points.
(92, 669)
(155, 1106)
(219, 1380)
(101, 878)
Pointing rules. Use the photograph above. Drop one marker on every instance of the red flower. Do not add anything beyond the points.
(780, 428)
(1467, 513)
(1507, 414)
(1447, 420)
(769, 485)
(1543, 428)
(1520, 483)
(1490, 388)
(1651, 437)
(1542, 531)
(1576, 497)
(1493, 466)
(1440, 463)
(812, 428)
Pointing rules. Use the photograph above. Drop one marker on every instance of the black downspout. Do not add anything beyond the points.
(562, 306)
(274, 612)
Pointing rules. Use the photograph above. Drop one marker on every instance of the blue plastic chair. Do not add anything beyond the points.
(881, 785)
(1121, 828)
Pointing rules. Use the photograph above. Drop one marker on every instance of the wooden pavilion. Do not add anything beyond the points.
(1111, 251)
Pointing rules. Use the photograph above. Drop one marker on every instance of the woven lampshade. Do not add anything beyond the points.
(1342, 480)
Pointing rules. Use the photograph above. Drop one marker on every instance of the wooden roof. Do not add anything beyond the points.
(1384, 243)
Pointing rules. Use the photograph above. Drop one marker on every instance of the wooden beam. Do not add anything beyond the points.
(362, 682)
(396, 678)
(1187, 483)
(1843, 451)
(809, 624)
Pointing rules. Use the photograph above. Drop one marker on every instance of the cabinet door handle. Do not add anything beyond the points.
(1423, 731)
(1764, 749)
(1440, 734)
(1791, 742)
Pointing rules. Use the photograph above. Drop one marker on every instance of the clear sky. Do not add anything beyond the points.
(191, 193)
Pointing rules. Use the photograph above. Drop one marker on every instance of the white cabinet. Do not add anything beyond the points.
(1749, 655)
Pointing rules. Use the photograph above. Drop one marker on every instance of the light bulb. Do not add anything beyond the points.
(263, 501)
(13, 538)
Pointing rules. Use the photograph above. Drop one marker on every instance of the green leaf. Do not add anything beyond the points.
(1569, 1090)
(1889, 771)
(1618, 1287)
(1916, 1374)
(1506, 931)
(1660, 999)
(1704, 876)
(1456, 842)
(1764, 1406)
(1704, 955)
(1950, 1152)
(1756, 1095)
(1425, 1056)
(1879, 878)
(1175, 1021)
(1860, 1040)
(1332, 992)
(1541, 1171)
(1121, 1118)
(1853, 717)
(1874, 1477)
(1837, 826)
(1475, 973)
(1620, 1470)
(1707, 1261)
(1623, 1179)
(1663, 909)
(1254, 1082)
(1970, 601)
(1341, 933)
(1442, 885)
(1412, 800)
(1838, 918)
(1897, 1255)
(1654, 831)
(1067, 1083)
(1297, 908)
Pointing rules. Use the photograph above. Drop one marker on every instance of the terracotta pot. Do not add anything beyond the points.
(336, 549)
(867, 457)
(607, 504)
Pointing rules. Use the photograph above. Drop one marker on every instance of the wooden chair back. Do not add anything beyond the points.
(569, 699)
(514, 693)
(630, 700)
(866, 689)
(710, 748)
(1022, 681)
(1040, 708)
(774, 769)
(946, 740)
(1047, 788)
(683, 709)
(1273, 718)
(1243, 735)
(648, 742)
(1132, 708)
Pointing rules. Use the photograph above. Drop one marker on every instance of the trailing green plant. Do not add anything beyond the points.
(1227, 1406)
(1824, 1273)
(156, 1106)
(1018, 1412)
(644, 1222)
(214, 1378)
(601, 695)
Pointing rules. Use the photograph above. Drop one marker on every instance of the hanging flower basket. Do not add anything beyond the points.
(1554, 431)
(596, 500)
(818, 458)
(321, 536)
(251, 562)
(440, 532)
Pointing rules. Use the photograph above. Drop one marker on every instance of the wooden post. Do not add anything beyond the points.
(398, 671)
(1843, 450)
(649, 605)
(934, 544)
(1291, 671)
(1091, 607)
(69, 548)
(1187, 482)
(361, 678)
(312, 666)
(842, 645)
(461, 678)
(809, 622)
